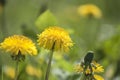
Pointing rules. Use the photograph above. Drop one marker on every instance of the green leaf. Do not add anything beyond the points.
(45, 20)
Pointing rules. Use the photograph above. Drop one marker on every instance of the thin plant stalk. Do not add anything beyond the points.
(20, 72)
(49, 66)
(17, 70)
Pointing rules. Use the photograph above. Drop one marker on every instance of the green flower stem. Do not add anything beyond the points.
(49, 66)
(17, 70)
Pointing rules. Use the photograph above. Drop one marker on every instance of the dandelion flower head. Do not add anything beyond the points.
(55, 38)
(97, 77)
(9, 71)
(89, 10)
(32, 71)
(96, 68)
(19, 43)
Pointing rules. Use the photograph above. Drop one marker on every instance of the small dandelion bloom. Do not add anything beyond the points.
(78, 68)
(19, 43)
(9, 71)
(96, 68)
(97, 77)
(32, 71)
(90, 10)
(55, 38)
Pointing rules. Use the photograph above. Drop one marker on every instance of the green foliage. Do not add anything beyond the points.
(46, 19)
(111, 47)
(65, 65)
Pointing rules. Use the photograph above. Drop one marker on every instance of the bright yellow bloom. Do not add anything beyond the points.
(90, 10)
(55, 38)
(96, 68)
(78, 68)
(18, 43)
(88, 71)
(97, 77)
(32, 71)
(9, 71)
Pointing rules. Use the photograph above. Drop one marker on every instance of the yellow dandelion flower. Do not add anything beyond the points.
(90, 10)
(55, 38)
(18, 43)
(78, 68)
(32, 71)
(9, 71)
(88, 71)
(96, 68)
(97, 77)
(89, 67)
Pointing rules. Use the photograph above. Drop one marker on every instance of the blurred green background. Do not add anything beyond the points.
(31, 17)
